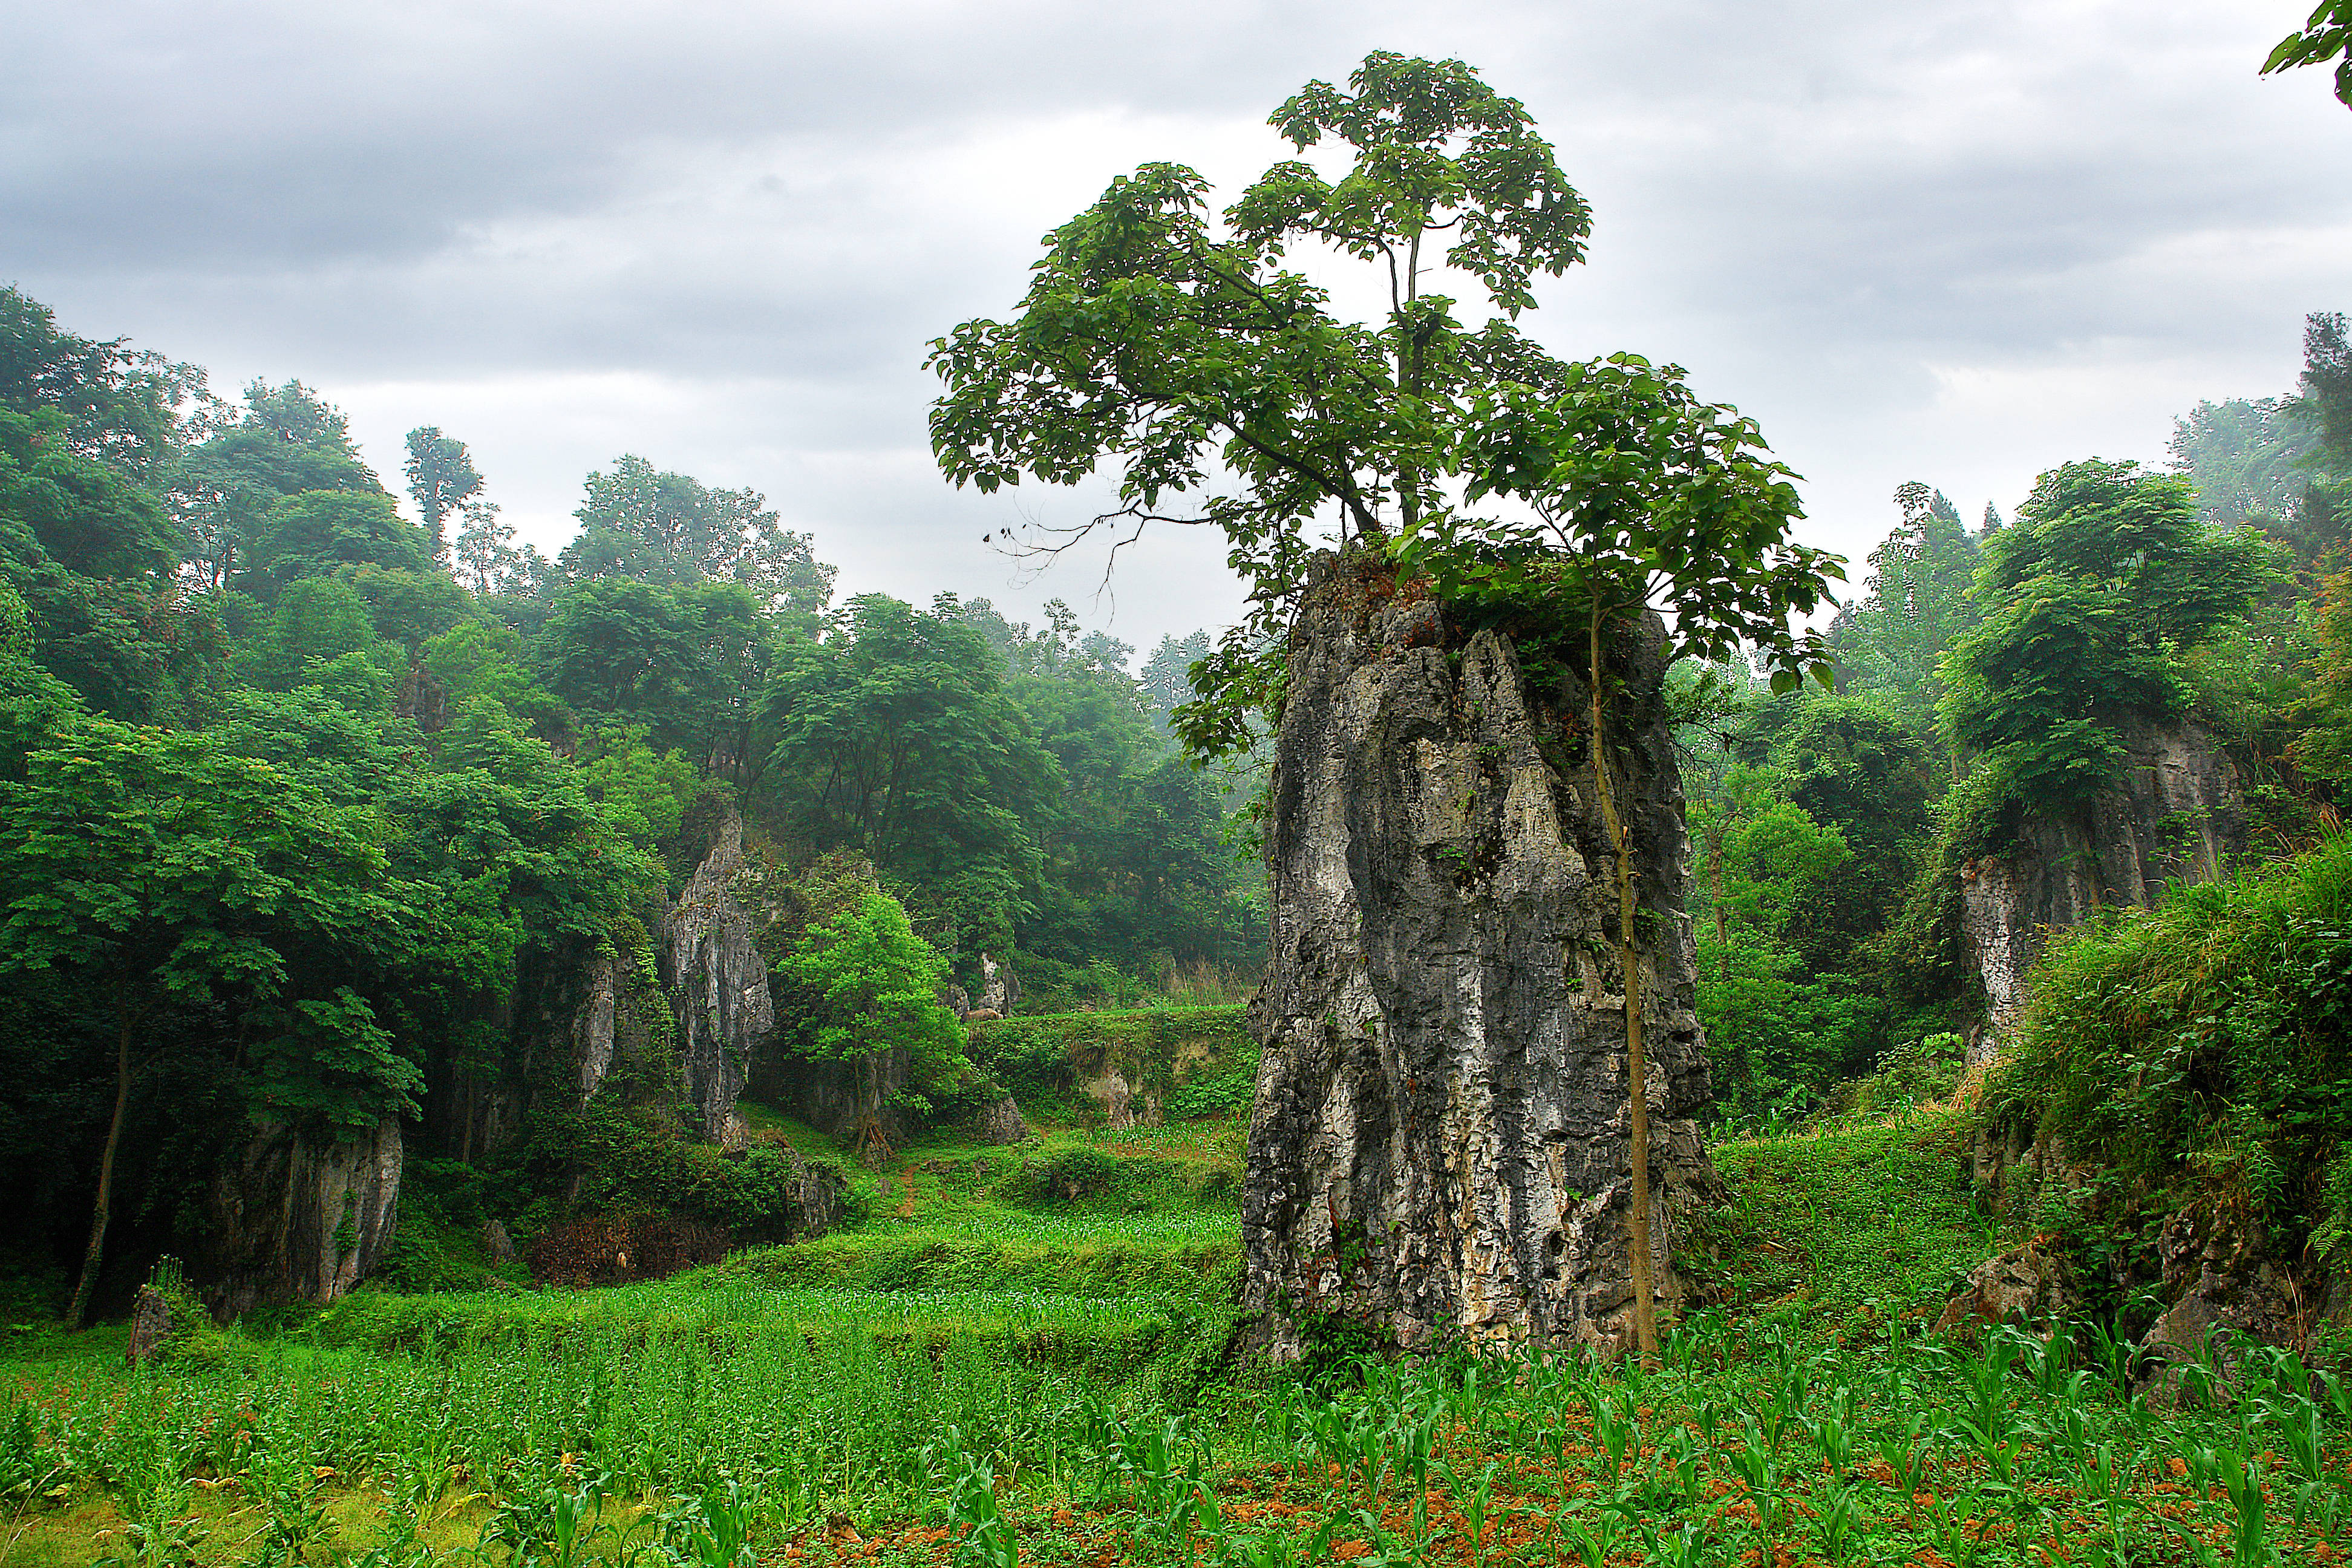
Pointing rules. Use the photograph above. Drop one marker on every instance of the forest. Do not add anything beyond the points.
(643, 1056)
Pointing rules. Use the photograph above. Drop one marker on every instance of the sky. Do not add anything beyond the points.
(1958, 241)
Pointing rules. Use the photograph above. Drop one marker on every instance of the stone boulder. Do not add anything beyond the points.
(2218, 1275)
(296, 1218)
(718, 978)
(1000, 1122)
(2031, 1285)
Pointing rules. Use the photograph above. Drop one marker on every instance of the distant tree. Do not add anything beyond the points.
(1916, 604)
(442, 479)
(895, 736)
(2243, 455)
(316, 532)
(638, 522)
(1167, 679)
(2090, 597)
(316, 623)
(2326, 36)
(117, 406)
(158, 872)
(89, 554)
(285, 441)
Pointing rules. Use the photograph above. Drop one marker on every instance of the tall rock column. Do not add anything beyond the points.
(1439, 1145)
(711, 959)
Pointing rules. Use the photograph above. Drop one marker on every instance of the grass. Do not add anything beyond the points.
(1858, 1224)
(1004, 1373)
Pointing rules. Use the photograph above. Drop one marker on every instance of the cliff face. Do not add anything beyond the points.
(718, 979)
(2178, 815)
(1440, 1141)
(296, 1218)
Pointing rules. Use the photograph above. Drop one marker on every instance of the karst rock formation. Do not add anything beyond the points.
(1439, 1148)
(2177, 817)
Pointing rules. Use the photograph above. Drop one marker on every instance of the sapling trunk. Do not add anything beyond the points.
(1629, 957)
(97, 1249)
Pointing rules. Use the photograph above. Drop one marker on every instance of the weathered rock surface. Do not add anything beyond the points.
(151, 1325)
(719, 980)
(297, 1219)
(2178, 816)
(1440, 1141)
(1000, 1122)
(1000, 988)
(2218, 1274)
(2029, 1285)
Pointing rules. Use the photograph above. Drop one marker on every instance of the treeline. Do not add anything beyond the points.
(1989, 677)
(294, 786)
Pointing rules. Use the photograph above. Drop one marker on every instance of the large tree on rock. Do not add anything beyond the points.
(1434, 1143)
(1186, 354)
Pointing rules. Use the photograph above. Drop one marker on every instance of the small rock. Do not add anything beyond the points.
(497, 1243)
(1000, 1123)
(151, 1325)
(2029, 1284)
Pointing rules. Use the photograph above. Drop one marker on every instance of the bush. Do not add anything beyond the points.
(2204, 1046)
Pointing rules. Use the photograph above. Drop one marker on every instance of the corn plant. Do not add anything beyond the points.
(983, 1536)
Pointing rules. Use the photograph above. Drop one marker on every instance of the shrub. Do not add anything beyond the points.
(2204, 1045)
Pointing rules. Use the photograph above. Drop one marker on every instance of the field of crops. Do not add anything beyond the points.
(877, 1397)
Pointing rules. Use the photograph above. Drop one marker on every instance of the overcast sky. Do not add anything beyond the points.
(1952, 240)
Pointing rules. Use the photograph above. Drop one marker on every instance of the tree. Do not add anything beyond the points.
(1643, 498)
(2326, 36)
(442, 479)
(2104, 580)
(2243, 457)
(1191, 359)
(313, 533)
(90, 554)
(1917, 604)
(637, 521)
(115, 404)
(287, 440)
(895, 737)
(158, 871)
(874, 987)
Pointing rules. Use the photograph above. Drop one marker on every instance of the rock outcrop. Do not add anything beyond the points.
(298, 1218)
(2032, 1285)
(2178, 817)
(1440, 1144)
(718, 977)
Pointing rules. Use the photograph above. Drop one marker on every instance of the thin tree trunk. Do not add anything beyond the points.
(89, 1260)
(1629, 957)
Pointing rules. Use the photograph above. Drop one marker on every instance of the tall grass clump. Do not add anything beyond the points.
(2203, 1049)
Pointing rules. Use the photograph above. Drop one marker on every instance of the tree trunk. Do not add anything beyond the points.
(1629, 957)
(89, 1260)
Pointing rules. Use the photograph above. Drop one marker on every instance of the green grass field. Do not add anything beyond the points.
(1025, 1360)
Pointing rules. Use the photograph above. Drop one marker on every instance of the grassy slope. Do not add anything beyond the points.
(977, 1295)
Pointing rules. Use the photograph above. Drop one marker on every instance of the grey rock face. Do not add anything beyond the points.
(2178, 816)
(1000, 988)
(294, 1219)
(720, 978)
(1440, 1138)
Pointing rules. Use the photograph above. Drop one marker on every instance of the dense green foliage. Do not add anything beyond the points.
(317, 805)
(2203, 1050)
